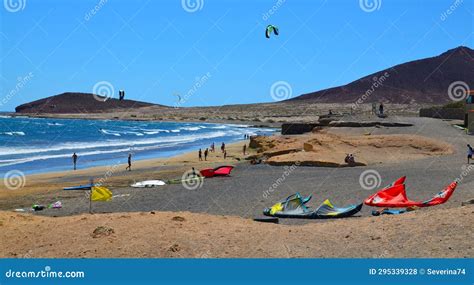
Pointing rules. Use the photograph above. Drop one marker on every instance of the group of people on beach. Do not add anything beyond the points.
(211, 149)
(129, 161)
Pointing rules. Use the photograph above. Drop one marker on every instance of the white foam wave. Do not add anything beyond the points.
(14, 133)
(107, 144)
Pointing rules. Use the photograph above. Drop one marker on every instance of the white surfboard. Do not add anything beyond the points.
(148, 183)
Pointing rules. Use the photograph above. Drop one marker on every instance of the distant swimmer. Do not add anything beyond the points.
(74, 160)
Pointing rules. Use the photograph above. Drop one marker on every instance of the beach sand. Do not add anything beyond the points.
(437, 233)
(48, 184)
(148, 231)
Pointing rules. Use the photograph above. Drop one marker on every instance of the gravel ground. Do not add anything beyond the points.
(243, 193)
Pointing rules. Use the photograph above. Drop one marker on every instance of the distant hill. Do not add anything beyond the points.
(420, 81)
(71, 103)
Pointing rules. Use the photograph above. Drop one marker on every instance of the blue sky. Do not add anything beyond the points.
(154, 49)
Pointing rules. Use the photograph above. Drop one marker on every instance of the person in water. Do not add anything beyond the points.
(74, 160)
(129, 167)
(470, 152)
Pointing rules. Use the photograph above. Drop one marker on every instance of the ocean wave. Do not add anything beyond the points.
(120, 133)
(153, 131)
(190, 128)
(13, 133)
(9, 162)
(111, 143)
(54, 124)
(107, 132)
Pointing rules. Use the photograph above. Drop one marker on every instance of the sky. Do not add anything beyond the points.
(214, 52)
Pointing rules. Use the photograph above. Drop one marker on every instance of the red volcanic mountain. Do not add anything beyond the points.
(71, 103)
(420, 81)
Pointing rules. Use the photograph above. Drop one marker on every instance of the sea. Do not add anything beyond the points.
(38, 145)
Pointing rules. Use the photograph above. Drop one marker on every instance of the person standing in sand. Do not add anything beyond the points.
(200, 155)
(470, 152)
(129, 167)
(245, 148)
(381, 109)
(74, 160)
(223, 147)
(225, 154)
(205, 154)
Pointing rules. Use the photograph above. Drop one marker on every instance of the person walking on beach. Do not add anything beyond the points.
(470, 151)
(200, 155)
(205, 154)
(129, 167)
(225, 154)
(74, 160)
(245, 148)
(223, 147)
(213, 147)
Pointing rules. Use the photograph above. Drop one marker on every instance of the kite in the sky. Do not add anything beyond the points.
(179, 97)
(271, 29)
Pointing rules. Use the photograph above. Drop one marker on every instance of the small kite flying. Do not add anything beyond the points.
(271, 29)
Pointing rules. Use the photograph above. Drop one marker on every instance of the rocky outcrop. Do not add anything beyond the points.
(297, 128)
(443, 113)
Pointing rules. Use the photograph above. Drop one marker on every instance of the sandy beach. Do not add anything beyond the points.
(47, 185)
(222, 209)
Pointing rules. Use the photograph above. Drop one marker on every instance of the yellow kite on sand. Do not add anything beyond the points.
(101, 194)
